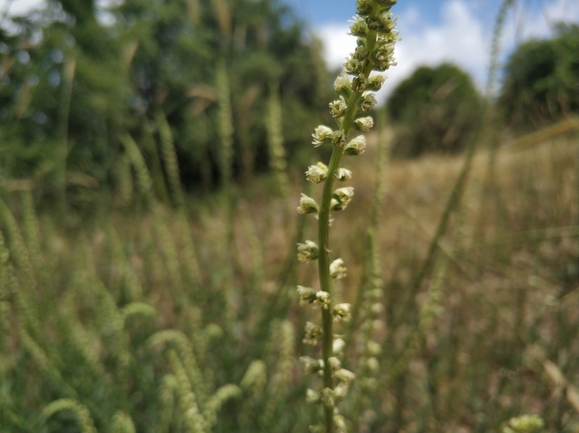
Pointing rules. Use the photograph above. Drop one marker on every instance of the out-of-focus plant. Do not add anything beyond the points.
(436, 109)
(542, 80)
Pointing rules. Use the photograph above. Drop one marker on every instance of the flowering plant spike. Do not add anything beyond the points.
(374, 28)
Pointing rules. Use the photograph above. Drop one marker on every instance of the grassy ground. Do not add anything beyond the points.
(83, 309)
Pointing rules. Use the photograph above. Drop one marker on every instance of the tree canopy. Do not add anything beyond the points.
(74, 78)
(435, 109)
(542, 80)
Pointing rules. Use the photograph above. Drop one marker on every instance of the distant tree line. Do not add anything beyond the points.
(74, 78)
(439, 108)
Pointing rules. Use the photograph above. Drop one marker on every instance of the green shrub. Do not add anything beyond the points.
(542, 80)
(436, 109)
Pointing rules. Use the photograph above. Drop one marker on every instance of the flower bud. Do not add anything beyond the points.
(359, 83)
(307, 205)
(339, 138)
(363, 7)
(317, 173)
(364, 123)
(337, 269)
(356, 146)
(322, 134)
(338, 345)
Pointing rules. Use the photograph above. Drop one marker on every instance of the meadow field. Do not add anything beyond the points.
(160, 317)
(156, 273)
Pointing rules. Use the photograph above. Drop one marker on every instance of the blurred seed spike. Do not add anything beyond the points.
(44, 363)
(170, 159)
(167, 390)
(31, 229)
(283, 337)
(122, 423)
(226, 392)
(225, 121)
(183, 345)
(277, 157)
(188, 403)
(144, 180)
(193, 12)
(137, 309)
(223, 17)
(82, 414)
(130, 282)
(129, 53)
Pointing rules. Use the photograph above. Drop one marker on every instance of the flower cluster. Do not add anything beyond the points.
(374, 28)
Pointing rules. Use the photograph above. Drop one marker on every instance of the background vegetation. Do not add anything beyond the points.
(131, 303)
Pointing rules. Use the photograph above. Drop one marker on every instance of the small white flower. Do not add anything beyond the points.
(342, 84)
(364, 123)
(338, 346)
(356, 146)
(345, 376)
(338, 107)
(342, 174)
(341, 312)
(373, 348)
(307, 295)
(327, 397)
(323, 299)
(312, 396)
(340, 424)
(359, 28)
(314, 333)
(334, 363)
(359, 83)
(307, 251)
(372, 364)
(307, 205)
(344, 195)
(337, 269)
(322, 134)
(339, 138)
(317, 173)
(311, 365)
(367, 101)
(375, 82)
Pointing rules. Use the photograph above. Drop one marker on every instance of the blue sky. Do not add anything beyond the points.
(435, 31)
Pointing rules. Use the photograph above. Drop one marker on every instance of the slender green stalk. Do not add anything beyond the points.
(374, 29)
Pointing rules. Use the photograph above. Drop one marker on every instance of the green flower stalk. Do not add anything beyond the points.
(374, 28)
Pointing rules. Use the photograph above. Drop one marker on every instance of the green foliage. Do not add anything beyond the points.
(436, 109)
(72, 84)
(542, 80)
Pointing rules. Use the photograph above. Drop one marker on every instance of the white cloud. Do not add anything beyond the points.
(19, 7)
(460, 37)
